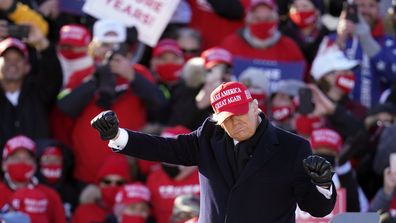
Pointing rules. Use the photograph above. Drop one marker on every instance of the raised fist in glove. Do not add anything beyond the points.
(107, 125)
(319, 169)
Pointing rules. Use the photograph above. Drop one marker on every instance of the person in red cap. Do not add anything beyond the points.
(132, 204)
(19, 183)
(305, 27)
(167, 61)
(260, 43)
(55, 164)
(97, 201)
(116, 83)
(218, 66)
(328, 144)
(72, 50)
(72, 47)
(27, 95)
(249, 170)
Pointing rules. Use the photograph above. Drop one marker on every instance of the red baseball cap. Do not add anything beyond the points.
(13, 43)
(269, 3)
(325, 138)
(215, 56)
(133, 193)
(230, 98)
(167, 45)
(305, 125)
(75, 35)
(114, 164)
(33, 202)
(172, 132)
(18, 142)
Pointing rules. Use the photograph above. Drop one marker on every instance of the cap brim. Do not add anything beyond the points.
(348, 65)
(213, 63)
(240, 109)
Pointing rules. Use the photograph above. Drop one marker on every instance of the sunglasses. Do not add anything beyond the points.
(108, 182)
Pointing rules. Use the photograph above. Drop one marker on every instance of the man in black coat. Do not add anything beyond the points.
(249, 170)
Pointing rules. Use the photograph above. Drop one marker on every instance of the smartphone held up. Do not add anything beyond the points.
(18, 31)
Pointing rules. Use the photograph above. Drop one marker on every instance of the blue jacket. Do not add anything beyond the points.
(374, 74)
(268, 189)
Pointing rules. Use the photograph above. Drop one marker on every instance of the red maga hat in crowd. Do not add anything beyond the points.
(18, 142)
(215, 56)
(326, 139)
(167, 45)
(75, 35)
(133, 193)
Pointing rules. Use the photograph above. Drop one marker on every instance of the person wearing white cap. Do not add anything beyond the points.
(334, 76)
(106, 33)
(364, 40)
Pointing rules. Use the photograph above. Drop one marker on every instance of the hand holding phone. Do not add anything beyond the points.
(18, 31)
(306, 105)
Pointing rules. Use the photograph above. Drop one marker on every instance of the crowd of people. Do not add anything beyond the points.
(317, 68)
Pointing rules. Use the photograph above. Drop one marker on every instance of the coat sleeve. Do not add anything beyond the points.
(309, 199)
(182, 150)
(49, 76)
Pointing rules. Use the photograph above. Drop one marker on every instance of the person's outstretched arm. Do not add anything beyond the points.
(182, 150)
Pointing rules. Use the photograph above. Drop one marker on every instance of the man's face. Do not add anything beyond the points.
(242, 127)
(13, 66)
(100, 49)
(369, 10)
(166, 58)
(138, 209)
(189, 44)
(281, 99)
(20, 156)
(71, 48)
(112, 180)
(261, 13)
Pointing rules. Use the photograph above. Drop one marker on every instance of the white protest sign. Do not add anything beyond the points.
(149, 16)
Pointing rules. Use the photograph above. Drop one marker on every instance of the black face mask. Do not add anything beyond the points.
(171, 171)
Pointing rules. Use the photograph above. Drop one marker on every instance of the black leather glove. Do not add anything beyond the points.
(107, 124)
(319, 169)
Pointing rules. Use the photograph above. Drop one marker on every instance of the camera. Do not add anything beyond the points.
(18, 31)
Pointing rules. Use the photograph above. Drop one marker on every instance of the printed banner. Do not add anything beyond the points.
(340, 207)
(149, 16)
(273, 71)
(71, 6)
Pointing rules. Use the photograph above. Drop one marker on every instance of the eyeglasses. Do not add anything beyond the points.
(108, 182)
